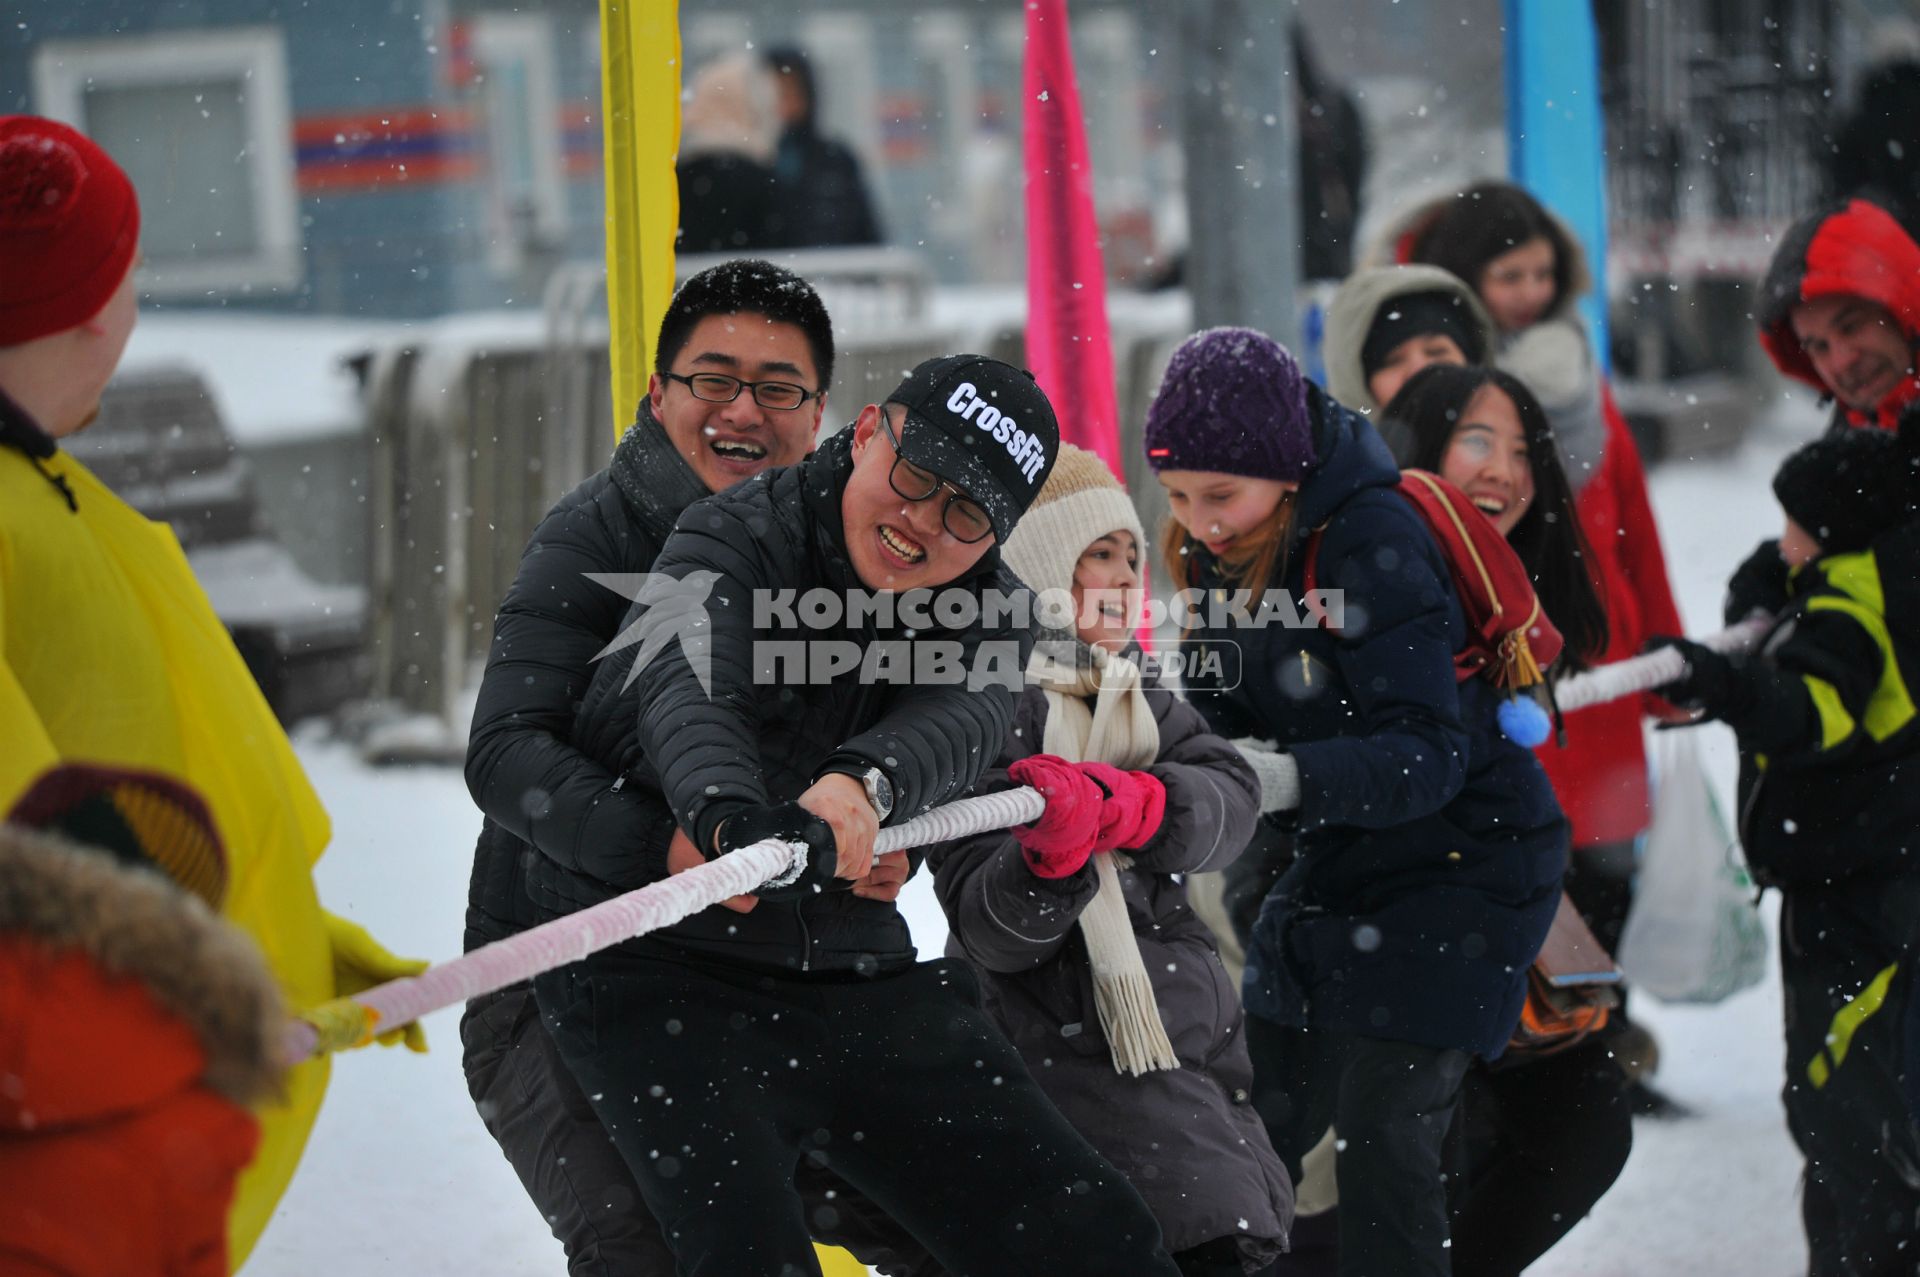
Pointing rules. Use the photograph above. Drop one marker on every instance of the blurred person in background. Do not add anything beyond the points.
(1839, 311)
(1876, 149)
(1333, 164)
(730, 201)
(824, 192)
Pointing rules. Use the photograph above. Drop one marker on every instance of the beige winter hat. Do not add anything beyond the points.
(1080, 503)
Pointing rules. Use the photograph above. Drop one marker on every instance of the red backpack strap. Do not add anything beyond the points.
(1310, 560)
(1509, 638)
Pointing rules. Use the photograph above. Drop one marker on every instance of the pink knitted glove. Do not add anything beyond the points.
(1134, 805)
(1057, 845)
(1152, 812)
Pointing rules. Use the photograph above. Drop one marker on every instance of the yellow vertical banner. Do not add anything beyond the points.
(640, 108)
(640, 76)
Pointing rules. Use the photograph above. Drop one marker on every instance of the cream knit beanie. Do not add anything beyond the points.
(1080, 503)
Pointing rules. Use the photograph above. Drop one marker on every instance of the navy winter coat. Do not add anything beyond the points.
(1430, 847)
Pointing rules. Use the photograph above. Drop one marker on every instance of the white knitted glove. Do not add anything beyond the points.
(1279, 774)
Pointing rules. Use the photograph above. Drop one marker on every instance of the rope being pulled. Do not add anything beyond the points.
(1280, 775)
(348, 1022)
(1653, 669)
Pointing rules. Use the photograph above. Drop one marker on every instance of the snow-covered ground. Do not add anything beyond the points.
(400, 1177)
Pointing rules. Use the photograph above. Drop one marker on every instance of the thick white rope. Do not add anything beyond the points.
(650, 908)
(1654, 669)
(1280, 775)
(740, 872)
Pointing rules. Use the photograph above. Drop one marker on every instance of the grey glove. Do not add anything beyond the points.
(1279, 774)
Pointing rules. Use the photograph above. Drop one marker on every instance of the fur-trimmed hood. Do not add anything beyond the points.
(1362, 297)
(134, 923)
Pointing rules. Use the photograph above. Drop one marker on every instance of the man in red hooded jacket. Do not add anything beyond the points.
(1840, 310)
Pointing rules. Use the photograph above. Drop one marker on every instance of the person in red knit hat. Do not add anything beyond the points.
(110, 652)
(70, 225)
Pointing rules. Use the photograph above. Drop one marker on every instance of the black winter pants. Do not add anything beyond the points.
(1846, 954)
(569, 1166)
(715, 1080)
(1391, 1103)
(1538, 1142)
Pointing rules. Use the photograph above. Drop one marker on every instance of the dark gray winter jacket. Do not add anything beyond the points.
(1188, 1139)
(757, 742)
(524, 770)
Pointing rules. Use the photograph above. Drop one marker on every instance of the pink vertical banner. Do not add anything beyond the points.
(1069, 347)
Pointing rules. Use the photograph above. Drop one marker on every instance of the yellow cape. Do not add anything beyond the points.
(111, 653)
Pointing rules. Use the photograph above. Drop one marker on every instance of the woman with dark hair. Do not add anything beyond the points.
(1483, 431)
(1540, 1138)
(1529, 271)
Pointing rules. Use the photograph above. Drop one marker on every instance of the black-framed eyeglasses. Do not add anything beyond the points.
(717, 387)
(965, 520)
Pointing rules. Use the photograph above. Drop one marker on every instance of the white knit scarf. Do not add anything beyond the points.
(1118, 729)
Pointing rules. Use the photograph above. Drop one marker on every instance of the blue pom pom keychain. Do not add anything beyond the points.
(1524, 721)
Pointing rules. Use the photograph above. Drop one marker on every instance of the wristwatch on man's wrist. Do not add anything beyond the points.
(879, 791)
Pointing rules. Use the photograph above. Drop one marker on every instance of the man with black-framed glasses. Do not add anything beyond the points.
(963, 517)
(744, 357)
(805, 1028)
(716, 387)
(738, 392)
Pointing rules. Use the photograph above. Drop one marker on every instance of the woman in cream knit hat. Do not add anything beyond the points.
(1092, 962)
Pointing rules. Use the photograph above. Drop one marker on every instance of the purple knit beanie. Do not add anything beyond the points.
(1234, 401)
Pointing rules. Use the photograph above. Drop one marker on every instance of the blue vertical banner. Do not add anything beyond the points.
(1556, 134)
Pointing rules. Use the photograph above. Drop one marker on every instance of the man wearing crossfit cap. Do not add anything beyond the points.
(726, 1048)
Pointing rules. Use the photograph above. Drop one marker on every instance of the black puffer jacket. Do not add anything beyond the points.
(757, 743)
(523, 768)
(1187, 1138)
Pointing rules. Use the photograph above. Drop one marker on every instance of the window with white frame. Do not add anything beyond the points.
(201, 123)
(520, 119)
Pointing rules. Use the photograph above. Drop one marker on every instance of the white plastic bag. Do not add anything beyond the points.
(1693, 934)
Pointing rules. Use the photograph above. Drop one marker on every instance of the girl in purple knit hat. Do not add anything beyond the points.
(1428, 848)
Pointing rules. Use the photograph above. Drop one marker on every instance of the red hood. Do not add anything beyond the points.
(1857, 250)
(78, 1045)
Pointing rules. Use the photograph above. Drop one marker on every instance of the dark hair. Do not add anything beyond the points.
(747, 285)
(1483, 222)
(1547, 538)
(792, 60)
